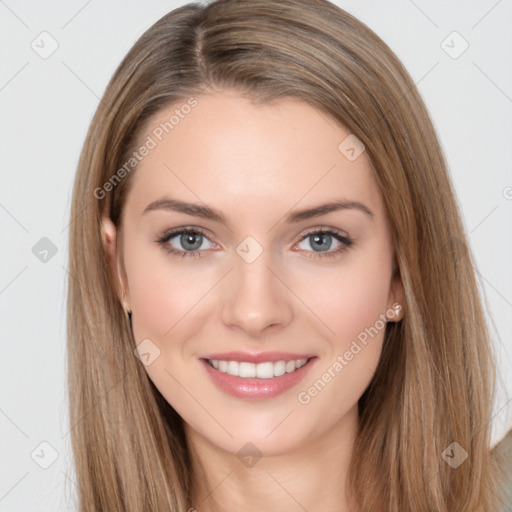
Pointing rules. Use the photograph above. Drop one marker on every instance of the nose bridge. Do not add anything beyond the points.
(254, 297)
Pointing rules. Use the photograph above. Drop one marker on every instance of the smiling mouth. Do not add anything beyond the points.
(265, 370)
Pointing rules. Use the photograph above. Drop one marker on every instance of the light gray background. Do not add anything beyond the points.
(46, 107)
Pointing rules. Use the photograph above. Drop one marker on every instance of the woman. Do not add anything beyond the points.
(272, 303)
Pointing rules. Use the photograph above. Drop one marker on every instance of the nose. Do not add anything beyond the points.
(255, 299)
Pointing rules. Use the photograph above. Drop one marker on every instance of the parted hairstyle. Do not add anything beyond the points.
(435, 381)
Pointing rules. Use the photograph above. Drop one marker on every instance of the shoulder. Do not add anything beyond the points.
(503, 452)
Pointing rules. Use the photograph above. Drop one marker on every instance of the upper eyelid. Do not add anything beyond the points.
(172, 233)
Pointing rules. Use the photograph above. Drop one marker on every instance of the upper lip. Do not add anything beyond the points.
(260, 357)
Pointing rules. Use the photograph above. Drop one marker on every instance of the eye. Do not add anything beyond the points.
(191, 241)
(322, 240)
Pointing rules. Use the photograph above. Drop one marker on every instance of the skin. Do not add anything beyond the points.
(256, 164)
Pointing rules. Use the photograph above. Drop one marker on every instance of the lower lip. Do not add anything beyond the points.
(253, 388)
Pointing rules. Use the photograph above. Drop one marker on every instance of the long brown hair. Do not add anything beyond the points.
(434, 385)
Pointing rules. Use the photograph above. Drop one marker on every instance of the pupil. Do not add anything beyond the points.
(322, 239)
(191, 239)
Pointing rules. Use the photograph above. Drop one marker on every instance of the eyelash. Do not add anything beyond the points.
(345, 241)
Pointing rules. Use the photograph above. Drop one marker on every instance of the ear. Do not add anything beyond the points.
(109, 235)
(396, 299)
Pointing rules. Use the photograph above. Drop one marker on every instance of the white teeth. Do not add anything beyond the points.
(290, 366)
(246, 370)
(279, 368)
(232, 367)
(261, 370)
(265, 370)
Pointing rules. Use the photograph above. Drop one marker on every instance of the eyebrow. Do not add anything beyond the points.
(205, 212)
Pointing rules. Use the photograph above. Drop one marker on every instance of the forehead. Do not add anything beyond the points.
(227, 151)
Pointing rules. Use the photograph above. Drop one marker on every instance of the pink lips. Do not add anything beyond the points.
(255, 388)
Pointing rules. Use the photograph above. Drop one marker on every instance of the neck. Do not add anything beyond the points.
(311, 477)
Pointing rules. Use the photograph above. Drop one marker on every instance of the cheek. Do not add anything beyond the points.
(361, 302)
(353, 305)
(347, 298)
(163, 290)
(350, 298)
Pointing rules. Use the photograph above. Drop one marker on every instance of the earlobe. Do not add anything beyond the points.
(109, 237)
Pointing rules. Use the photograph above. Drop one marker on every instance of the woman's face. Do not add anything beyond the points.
(254, 275)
